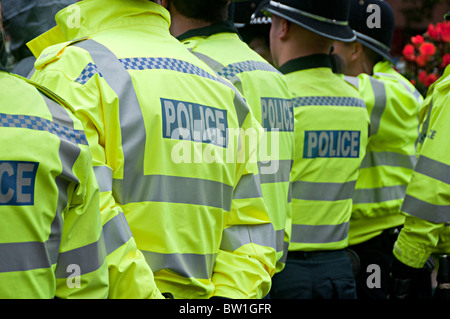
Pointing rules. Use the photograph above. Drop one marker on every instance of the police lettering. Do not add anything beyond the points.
(331, 144)
(277, 114)
(195, 122)
(17, 181)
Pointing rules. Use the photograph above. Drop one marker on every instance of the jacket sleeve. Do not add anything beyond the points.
(82, 269)
(129, 274)
(248, 244)
(427, 203)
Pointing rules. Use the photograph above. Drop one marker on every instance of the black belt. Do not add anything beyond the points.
(303, 255)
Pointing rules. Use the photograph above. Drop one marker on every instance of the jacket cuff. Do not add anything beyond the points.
(410, 255)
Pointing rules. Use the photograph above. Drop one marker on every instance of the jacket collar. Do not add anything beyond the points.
(88, 17)
(306, 62)
(219, 27)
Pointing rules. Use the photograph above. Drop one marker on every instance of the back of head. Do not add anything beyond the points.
(373, 22)
(206, 10)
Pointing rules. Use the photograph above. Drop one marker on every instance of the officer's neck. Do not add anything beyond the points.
(359, 66)
(301, 43)
(181, 24)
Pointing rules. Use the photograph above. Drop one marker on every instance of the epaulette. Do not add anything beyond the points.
(54, 52)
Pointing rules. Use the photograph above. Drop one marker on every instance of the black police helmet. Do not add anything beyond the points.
(374, 23)
(328, 18)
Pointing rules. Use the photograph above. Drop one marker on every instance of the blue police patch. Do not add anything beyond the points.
(194, 122)
(331, 144)
(277, 114)
(17, 180)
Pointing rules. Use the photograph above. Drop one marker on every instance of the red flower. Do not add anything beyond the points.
(427, 79)
(433, 32)
(445, 31)
(417, 40)
(408, 52)
(422, 60)
(427, 48)
(446, 60)
(431, 78)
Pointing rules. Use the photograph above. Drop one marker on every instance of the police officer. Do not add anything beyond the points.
(164, 132)
(24, 20)
(393, 104)
(426, 229)
(264, 89)
(330, 137)
(51, 242)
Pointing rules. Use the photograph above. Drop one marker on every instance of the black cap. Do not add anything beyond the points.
(258, 17)
(243, 10)
(374, 23)
(328, 18)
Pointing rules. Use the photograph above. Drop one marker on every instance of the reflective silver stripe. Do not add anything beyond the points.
(430, 212)
(131, 119)
(237, 236)
(248, 186)
(282, 173)
(285, 252)
(374, 159)
(379, 92)
(104, 176)
(175, 189)
(353, 80)
(186, 265)
(433, 169)
(414, 92)
(116, 232)
(307, 14)
(322, 191)
(379, 194)
(319, 234)
(89, 258)
(25, 256)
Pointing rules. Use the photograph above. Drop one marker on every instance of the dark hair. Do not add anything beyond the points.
(206, 10)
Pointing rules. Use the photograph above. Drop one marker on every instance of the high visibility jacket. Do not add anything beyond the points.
(265, 91)
(426, 206)
(393, 105)
(167, 147)
(51, 242)
(331, 135)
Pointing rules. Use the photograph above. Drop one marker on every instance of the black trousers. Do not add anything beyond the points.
(376, 257)
(315, 275)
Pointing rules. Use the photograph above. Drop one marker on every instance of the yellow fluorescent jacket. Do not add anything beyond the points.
(427, 201)
(265, 91)
(191, 197)
(331, 135)
(393, 105)
(51, 242)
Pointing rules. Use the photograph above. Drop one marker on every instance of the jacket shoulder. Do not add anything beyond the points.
(54, 52)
